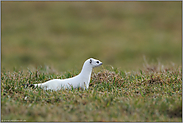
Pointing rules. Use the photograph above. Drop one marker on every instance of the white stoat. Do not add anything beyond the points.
(81, 80)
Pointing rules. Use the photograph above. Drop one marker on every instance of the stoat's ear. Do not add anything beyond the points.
(90, 61)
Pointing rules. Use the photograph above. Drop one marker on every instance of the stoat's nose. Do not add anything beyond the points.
(101, 63)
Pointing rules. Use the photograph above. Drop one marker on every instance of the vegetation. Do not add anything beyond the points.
(117, 33)
(46, 40)
(153, 94)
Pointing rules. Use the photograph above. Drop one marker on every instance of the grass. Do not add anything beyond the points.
(40, 39)
(117, 33)
(150, 94)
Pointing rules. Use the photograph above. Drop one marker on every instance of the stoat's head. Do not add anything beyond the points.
(94, 62)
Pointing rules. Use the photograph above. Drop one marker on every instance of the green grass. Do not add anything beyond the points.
(46, 40)
(117, 33)
(150, 94)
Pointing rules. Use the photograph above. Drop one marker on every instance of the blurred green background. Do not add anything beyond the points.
(63, 35)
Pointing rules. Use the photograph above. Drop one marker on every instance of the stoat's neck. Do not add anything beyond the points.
(86, 72)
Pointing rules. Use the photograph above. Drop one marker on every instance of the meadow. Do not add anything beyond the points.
(118, 33)
(150, 95)
(139, 44)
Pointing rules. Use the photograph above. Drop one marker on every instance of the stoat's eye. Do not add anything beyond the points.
(97, 62)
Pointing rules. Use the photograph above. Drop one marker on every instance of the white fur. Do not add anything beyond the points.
(81, 80)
